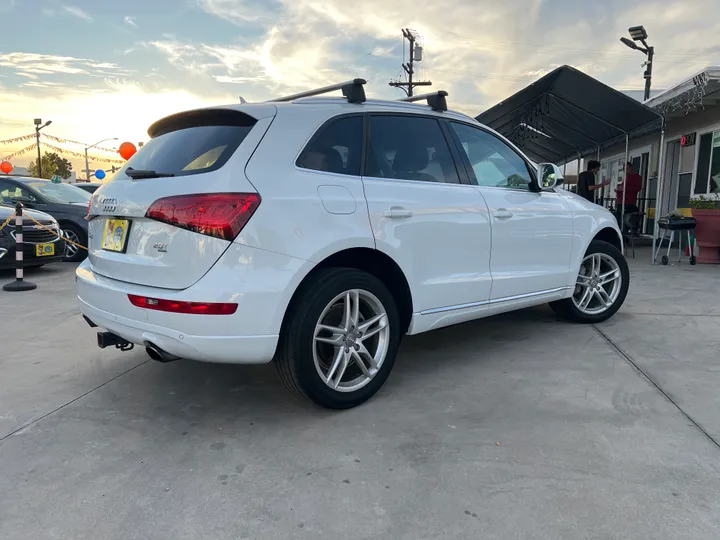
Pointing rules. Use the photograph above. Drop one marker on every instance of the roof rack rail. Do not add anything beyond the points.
(436, 100)
(353, 90)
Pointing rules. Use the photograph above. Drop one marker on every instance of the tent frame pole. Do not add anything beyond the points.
(658, 190)
(622, 205)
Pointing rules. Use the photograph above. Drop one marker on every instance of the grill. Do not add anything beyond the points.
(31, 235)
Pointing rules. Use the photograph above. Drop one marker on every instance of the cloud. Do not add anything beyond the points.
(30, 65)
(76, 12)
(6, 6)
(130, 21)
(481, 52)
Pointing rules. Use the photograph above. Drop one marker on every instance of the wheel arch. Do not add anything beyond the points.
(372, 261)
(609, 235)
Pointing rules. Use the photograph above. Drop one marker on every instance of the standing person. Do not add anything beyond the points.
(632, 187)
(586, 181)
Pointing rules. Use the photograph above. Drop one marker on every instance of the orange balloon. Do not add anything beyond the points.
(6, 167)
(127, 150)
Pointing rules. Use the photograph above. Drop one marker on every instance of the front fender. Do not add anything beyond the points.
(595, 223)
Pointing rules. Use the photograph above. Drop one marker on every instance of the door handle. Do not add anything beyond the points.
(502, 213)
(397, 212)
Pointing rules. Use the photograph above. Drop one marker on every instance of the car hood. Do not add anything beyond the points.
(7, 211)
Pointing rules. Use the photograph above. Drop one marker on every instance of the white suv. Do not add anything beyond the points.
(318, 231)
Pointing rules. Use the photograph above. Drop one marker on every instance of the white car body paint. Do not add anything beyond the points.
(463, 256)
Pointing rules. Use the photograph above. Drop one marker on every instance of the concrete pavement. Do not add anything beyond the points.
(520, 426)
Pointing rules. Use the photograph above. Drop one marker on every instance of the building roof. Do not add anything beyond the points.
(689, 94)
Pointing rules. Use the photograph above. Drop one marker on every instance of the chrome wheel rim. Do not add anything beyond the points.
(598, 284)
(350, 341)
(70, 249)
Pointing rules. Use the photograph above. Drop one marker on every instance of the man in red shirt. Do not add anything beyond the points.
(632, 187)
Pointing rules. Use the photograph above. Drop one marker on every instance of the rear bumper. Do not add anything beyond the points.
(220, 349)
(261, 283)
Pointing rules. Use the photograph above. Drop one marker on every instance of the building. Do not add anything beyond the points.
(692, 136)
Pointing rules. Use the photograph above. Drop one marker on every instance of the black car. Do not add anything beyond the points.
(90, 187)
(39, 245)
(66, 203)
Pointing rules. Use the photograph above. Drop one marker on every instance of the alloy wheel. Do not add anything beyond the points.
(350, 341)
(70, 249)
(598, 285)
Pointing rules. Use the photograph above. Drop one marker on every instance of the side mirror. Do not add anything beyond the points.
(27, 201)
(549, 176)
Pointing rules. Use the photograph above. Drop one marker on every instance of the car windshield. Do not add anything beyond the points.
(60, 193)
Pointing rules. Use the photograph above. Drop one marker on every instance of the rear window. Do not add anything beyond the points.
(193, 143)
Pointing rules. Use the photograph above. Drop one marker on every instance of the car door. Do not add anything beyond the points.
(532, 230)
(435, 227)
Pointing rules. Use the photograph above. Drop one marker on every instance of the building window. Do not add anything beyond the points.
(708, 169)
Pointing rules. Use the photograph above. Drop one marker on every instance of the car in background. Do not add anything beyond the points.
(66, 203)
(90, 187)
(40, 246)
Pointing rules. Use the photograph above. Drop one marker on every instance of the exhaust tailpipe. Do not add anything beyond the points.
(159, 355)
(108, 339)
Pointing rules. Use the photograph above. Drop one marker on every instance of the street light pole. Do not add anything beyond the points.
(638, 33)
(38, 127)
(648, 71)
(87, 162)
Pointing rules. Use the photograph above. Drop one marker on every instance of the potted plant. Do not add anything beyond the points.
(706, 211)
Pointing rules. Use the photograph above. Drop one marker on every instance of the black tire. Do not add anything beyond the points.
(693, 260)
(80, 254)
(567, 309)
(294, 359)
(665, 260)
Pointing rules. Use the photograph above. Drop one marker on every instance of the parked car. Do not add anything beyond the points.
(90, 187)
(65, 202)
(40, 246)
(317, 231)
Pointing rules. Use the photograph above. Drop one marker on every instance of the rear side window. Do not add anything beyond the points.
(193, 143)
(336, 148)
(409, 148)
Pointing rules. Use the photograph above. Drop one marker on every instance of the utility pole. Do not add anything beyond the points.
(38, 127)
(409, 67)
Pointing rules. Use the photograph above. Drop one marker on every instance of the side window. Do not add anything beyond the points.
(409, 148)
(495, 164)
(336, 148)
(8, 191)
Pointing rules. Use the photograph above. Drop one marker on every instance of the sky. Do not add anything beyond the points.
(102, 69)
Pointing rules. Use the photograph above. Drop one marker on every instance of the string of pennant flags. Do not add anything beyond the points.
(57, 149)
(60, 140)
(62, 151)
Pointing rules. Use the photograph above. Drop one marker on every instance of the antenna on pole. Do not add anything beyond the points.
(416, 55)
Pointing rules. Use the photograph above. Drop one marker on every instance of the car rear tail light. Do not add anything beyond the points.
(173, 306)
(222, 215)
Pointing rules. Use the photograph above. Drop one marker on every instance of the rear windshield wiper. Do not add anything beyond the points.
(146, 173)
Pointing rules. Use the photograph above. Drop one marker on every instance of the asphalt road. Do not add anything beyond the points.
(516, 427)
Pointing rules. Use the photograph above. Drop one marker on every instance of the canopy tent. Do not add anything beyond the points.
(568, 114)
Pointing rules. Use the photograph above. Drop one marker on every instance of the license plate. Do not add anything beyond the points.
(115, 235)
(44, 250)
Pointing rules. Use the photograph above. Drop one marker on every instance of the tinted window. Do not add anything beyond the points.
(337, 147)
(494, 163)
(409, 148)
(8, 191)
(192, 150)
(59, 193)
